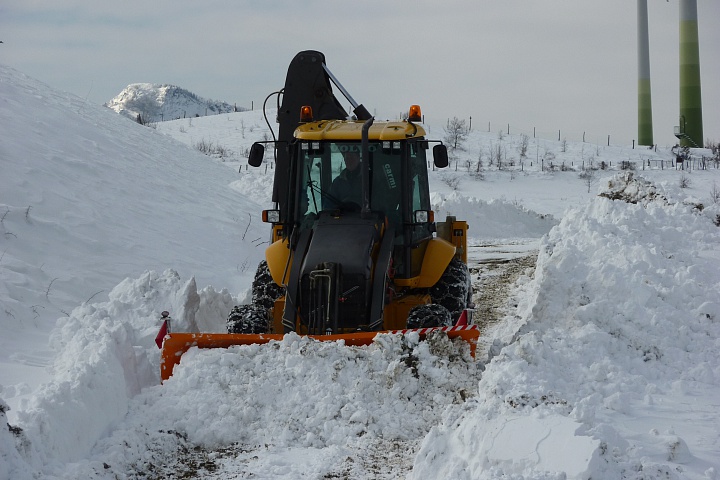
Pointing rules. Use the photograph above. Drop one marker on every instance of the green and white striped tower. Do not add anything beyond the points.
(690, 130)
(645, 127)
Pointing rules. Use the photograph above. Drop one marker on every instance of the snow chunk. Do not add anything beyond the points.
(628, 188)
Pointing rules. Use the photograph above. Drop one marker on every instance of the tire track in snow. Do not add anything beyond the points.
(495, 270)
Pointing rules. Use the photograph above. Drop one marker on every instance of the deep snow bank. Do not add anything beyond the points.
(493, 220)
(88, 198)
(13, 444)
(619, 353)
(105, 405)
(106, 356)
(295, 394)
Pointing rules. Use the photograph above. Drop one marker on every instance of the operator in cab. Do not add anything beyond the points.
(347, 186)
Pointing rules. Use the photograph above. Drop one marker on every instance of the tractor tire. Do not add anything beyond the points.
(430, 315)
(264, 289)
(453, 291)
(248, 319)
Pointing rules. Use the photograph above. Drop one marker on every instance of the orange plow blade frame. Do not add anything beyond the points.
(176, 344)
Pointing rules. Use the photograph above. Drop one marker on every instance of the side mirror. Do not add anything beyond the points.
(440, 156)
(257, 152)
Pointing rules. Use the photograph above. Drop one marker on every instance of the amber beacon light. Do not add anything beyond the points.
(306, 114)
(415, 115)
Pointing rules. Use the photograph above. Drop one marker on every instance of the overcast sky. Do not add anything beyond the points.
(568, 65)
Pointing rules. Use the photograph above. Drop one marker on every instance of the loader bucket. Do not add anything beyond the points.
(176, 344)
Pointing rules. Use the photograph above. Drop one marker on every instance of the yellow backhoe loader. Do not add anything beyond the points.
(355, 249)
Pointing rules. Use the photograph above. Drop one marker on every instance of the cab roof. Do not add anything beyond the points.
(352, 130)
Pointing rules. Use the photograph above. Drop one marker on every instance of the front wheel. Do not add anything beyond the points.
(427, 316)
(248, 319)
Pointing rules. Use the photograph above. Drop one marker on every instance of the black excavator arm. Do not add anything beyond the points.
(308, 82)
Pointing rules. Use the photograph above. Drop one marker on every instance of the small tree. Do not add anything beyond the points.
(479, 170)
(524, 142)
(499, 156)
(456, 132)
(715, 193)
(715, 147)
(588, 177)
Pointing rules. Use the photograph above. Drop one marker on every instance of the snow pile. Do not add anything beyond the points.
(388, 390)
(616, 372)
(629, 188)
(104, 405)
(496, 219)
(12, 443)
(87, 199)
(106, 356)
(268, 395)
(155, 102)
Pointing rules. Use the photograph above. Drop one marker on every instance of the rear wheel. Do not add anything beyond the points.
(430, 315)
(453, 290)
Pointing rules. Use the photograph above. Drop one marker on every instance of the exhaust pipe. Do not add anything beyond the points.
(365, 164)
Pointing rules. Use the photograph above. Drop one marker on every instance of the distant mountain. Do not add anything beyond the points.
(157, 102)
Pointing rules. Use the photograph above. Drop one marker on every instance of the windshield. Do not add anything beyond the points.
(330, 178)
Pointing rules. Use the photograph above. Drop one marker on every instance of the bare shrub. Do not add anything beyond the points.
(715, 193)
(452, 181)
(496, 155)
(479, 168)
(524, 143)
(211, 149)
(684, 181)
(588, 177)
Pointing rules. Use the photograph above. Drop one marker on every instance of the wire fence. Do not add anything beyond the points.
(690, 164)
(572, 134)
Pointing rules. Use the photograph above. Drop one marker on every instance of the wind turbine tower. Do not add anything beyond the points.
(690, 130)
(645, 128)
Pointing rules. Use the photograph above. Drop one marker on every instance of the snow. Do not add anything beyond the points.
(622, 324)
(606, 364)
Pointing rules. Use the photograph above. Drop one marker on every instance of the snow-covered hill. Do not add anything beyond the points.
(157, 102)
(89, 198)
(606, 364)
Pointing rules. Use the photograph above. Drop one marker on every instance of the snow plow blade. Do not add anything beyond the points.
(176, 344)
